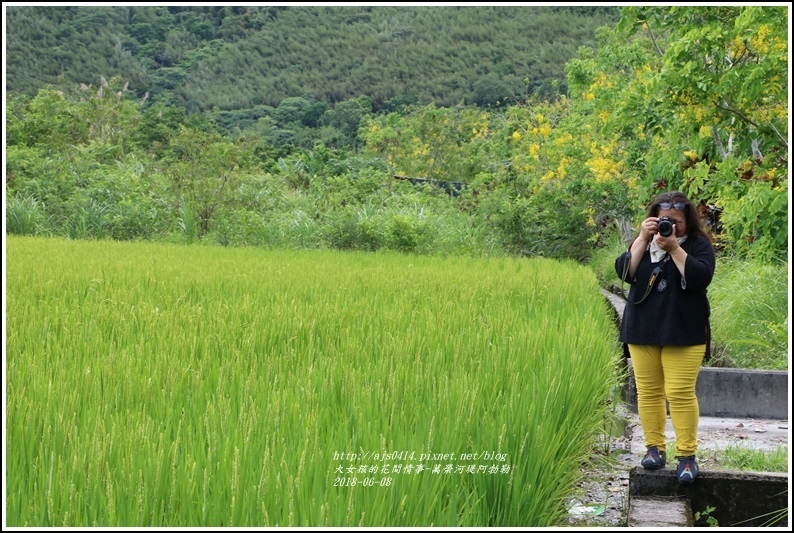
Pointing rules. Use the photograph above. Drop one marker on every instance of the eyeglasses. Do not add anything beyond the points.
(678, 206)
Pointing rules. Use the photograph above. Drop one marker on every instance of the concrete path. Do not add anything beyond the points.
(719, 433)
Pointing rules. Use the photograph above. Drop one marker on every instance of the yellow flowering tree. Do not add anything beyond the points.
(699, 103)
(675, 98)
(430, 143)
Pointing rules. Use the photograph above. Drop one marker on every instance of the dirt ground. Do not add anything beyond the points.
(603, 497)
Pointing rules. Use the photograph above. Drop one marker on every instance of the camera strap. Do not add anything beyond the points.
(654, 275)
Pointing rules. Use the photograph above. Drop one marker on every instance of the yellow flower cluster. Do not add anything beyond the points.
(758, 41)
(737, 47)
(481, 132)
(561, 168)
(705, 131)
(604, 169)
(522, 166)
(590, 216)
(779, 45)
(601, 81)
(645, 69)
(534, 148)
(563, 139)
(545, 129)
(780, 111)
(700, 112)
(421, 148)
(516, 136)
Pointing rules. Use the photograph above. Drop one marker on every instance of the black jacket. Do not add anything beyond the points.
(677, 315)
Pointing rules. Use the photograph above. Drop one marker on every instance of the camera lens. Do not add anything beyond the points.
(665, 227)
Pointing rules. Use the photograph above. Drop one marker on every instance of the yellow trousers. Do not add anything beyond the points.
(668, 373)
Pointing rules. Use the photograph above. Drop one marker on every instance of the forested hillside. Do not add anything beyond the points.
(237, 58)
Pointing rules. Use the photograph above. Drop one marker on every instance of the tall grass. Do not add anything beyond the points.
(750, 315)
(25, 216)
(188, 223)
(164, 385)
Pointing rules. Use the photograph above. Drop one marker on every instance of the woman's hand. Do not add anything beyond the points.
(648, 228)
(669, 243)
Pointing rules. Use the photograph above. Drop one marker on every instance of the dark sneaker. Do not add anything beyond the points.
(654, 459)
(687, 470)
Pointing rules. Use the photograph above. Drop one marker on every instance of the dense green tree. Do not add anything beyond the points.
(492, 90)
(291, 110)
(204, 169)
(346, 117)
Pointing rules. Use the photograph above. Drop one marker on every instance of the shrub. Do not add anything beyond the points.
(408, 232)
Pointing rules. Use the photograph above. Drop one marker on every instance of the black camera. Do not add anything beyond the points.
(665, 227)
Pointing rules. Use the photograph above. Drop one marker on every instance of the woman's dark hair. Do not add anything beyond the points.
(693, 223)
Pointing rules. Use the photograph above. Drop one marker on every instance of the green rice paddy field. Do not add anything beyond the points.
(164, 385)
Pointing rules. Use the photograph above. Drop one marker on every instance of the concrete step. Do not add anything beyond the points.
(743, 499)
(659, 512)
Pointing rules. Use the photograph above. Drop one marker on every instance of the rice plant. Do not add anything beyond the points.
(163, 385)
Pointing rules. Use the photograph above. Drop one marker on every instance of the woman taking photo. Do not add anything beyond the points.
(665, 326)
